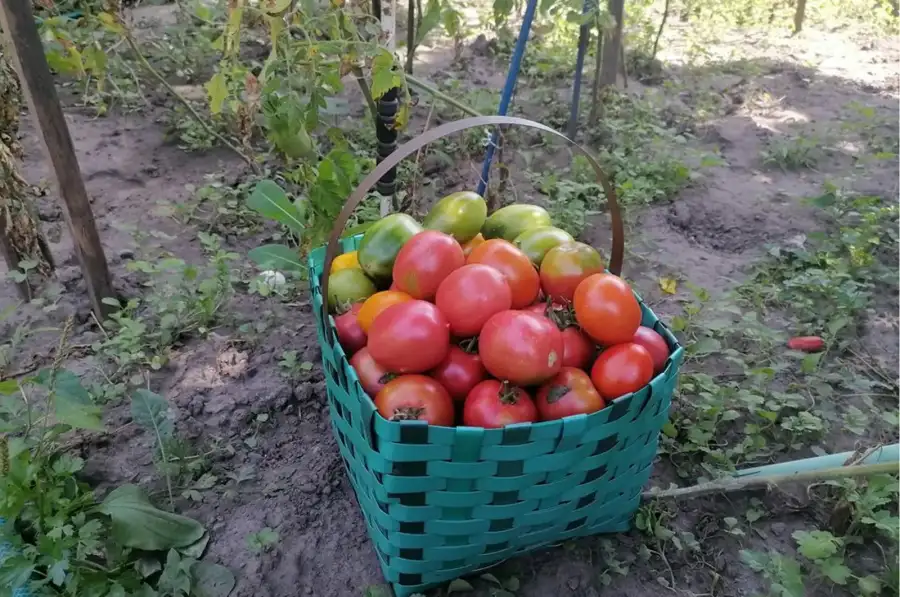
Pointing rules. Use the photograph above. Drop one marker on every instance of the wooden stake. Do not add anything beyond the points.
(27, 55)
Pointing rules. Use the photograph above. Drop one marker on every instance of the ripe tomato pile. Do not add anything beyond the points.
(487, 321)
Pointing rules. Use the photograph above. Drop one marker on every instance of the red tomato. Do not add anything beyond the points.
(375, 304)
(570, 392)
(622, 369)
(459, 372)
(515, 266)
(372, 376)
(521, 347)
(565, 266)
(607, 309)
(492, 404)
(655, 344)
(410, 337)
(577, 348)
(470, 295)
(424, 261)
(807, 343)
(415, 398)
(349, 333)
(539, 308)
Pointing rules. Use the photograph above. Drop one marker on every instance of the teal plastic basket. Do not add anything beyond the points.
(444, 502)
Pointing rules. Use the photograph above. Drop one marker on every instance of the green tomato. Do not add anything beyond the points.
(461, 215)
(537, 241)
(382, 241)
(348, 286)
(511, 221)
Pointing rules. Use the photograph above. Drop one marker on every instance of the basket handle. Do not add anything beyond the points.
(413, 145)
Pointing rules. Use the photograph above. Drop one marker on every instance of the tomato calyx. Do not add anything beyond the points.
(508, 394)
(562, 315)
(387, 377)
(469, 345)
(408, 413)
(557, 392)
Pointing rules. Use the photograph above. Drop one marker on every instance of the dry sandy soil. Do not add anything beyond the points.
(290, 474)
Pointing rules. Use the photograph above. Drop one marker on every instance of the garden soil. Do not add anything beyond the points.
(282, 470)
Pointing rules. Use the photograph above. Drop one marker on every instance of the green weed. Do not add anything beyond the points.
(793, 153)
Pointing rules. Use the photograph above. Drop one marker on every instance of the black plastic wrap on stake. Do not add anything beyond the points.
(386, 134)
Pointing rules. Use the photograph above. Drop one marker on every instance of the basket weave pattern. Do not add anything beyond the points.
(442, 502)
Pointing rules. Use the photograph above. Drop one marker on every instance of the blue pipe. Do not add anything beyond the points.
(584, 35)
(508, 89)
(883, 454)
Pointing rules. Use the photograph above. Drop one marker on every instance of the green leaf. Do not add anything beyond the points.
(278, 257)
(836, 570)
(459, 586)
(869, 585)
(816, 545)
(383, 76)
(378, 591)
(151, 412)
(430, 21)
(211, 580)
(269, 200)
(670, 430)
(705, 346)
(810, 362)
(72, 403)
(216, 91)
(195, 550)
(138, 523)
(9, 387)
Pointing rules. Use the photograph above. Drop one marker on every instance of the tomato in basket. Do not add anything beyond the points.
(607, 309)
(565, 266)
(523, 279)
(622, 369)
(655, 344)
(372, 376)
(378, 302)
(469, 296)
(415, 398)
(522, 347)
(349, 333)
(410, 337)
(492, 404)
(570, 392)
(424, 261)
(459, 372)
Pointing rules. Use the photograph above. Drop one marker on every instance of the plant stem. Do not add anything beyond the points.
(410, 36)
(184, 102)
(733, 484)
(367, 93)
(659, 32)
(423, 86)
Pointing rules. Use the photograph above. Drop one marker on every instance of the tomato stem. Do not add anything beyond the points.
(509, 393)
(469, 345)
(408, 413)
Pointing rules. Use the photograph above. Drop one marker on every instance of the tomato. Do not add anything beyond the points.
(459, 372)
(415, 398)
(348, 286)
(607, 309)
(424, 261)
(540, 308)
(350, 335)
(622, 369)
(511, 221)
(372, 376)
(806, 344)
(577, 348)
(565, 266)
(570, 392)
(460, 215)
(515, 266)
(535, 242)
(470, 295)
(655, 344)
(470, 246)
(521, 347)
(410, 337)
(345, 261)
(382, 241)
(378, 302)
(492, 404)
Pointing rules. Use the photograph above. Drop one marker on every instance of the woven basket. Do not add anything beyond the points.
(444, 502)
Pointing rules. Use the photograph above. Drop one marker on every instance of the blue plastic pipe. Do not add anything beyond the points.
(883, 454)
(584, 35)
(508, 88)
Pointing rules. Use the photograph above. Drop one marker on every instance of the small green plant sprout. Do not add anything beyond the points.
(262, 540)
(793, 153)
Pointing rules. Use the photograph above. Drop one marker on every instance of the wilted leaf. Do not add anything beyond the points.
(138, 523)
(216, 91)
(668, 285)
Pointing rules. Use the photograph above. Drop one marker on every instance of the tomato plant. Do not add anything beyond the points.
(622, 369)
(349, 333)
(376, 304)
(469, 296)
(516, 267)
(655, 344)
(372, 376)
(410, 337)
(415, 398)
(459, 372)
(565, 266)
(607, 309)
(424, 261)
(570, 392)
(521, 347)
(492, 404)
